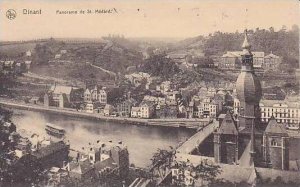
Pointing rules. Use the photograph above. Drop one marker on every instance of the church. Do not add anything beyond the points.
(244, 140)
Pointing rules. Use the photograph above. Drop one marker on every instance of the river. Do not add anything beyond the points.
(141, 141)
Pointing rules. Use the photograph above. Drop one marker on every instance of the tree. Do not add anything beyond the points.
(7, 114)
(162, 160)
(43, 53)
(204, 172)
(160, 65)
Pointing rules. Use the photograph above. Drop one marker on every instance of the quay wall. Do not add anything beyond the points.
(187, 123)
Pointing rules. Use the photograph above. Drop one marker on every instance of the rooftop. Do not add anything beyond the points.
(276, 128)
(57, 89)
(228, 125)
(45, 151)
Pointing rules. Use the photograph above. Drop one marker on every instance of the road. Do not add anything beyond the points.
(178, 122)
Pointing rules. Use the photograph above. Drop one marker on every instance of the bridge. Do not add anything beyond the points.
(193, 142)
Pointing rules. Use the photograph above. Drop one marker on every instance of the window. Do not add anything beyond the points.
(273, 142)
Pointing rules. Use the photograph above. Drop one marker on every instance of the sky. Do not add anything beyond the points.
(143, 18)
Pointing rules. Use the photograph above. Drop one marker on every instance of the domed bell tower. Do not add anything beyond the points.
(249, 93)
(248, 88)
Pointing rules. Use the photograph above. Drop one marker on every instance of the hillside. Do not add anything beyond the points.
(112, 55)
(284, 43)
(12, 50)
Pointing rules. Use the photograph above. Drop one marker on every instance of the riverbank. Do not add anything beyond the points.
(175, 122)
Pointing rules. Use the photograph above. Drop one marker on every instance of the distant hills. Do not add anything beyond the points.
(118, 53)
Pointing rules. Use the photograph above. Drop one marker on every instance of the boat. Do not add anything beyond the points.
(55, 130)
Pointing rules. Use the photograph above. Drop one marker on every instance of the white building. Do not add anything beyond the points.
(96, 95)
(87, 95)
(57, 56)
(145, 110)
(102, 96)
(135, 112)
(89, 108)
(63, 51)
(284, 111)
(28, 53)
(207, 108)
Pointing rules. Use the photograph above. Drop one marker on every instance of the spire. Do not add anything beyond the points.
(246, 44)
(247, 57)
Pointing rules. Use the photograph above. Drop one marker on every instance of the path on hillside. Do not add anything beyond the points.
(105, 70)
(43, 77)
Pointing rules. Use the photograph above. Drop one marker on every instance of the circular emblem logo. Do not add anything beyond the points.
(11, 14)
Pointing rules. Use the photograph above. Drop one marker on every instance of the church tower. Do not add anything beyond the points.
(248, 88)
(249, 93)
(226, 141)
(276, 146)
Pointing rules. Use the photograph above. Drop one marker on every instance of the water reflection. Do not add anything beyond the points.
(142, 141)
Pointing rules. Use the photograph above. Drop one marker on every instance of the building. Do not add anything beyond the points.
(108, 156)
(179, 57)
(135, 112)
(57, 56)
(271, 62)
(146, 110)
(229, 61)
(95, 94)
(63, 51)
(52, 154)
(108, 110)
(166, 111)
(226, 141)
(239, 141)
(240, 144)
(28, 53)
(233, 59)
(284, 111)
(102, 96)
(208, 108)
(81, 170)
(165, 87)
(93, 107)
(64, 96)
(244, 140)
(172, 96)
(124, 108)
(27, 64)
(90, 94)
(276, 146)
(138, 78)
